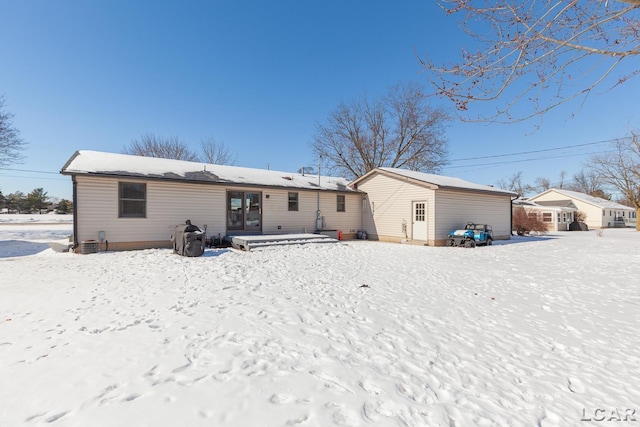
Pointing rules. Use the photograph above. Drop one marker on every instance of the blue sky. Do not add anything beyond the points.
(256, 75)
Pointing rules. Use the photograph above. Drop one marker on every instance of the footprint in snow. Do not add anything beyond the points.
(575, 385)
(279, 399)
(55, 417)
(370, 388)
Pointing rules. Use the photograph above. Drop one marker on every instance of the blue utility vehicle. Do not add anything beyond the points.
(471, 236)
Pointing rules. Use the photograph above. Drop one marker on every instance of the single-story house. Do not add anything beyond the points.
(133, 202)
(600, 213)
(555, 217)
(403, 205)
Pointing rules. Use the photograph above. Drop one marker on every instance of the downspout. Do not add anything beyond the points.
(511, 216)
(75, 212)
(318, 214)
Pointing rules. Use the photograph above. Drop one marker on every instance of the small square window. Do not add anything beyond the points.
(341, 205)
(132, 200)
(293, 201)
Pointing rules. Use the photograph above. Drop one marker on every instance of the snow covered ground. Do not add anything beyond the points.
(536, 331)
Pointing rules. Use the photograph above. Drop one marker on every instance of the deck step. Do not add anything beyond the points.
(246, 243)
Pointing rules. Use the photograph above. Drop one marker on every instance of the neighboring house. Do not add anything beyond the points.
(136, 202)
(600, 213)
(556, 218)
(404, 205)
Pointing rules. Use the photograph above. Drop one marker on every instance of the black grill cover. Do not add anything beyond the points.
(188, 240)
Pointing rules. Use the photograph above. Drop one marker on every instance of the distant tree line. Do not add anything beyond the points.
(37, 201)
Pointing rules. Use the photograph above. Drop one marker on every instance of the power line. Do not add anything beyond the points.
(537, 151)
(525, 160)
(34, 177)
(28, 170)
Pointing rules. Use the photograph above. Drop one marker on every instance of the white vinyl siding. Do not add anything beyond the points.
(349, 221)
(454, 209)
(171, 203)
(388, 210)
(276, 217)
(168, 205)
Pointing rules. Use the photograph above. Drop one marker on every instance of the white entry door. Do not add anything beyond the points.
(419, 230)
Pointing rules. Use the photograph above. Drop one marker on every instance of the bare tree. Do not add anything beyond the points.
(149, 145)
(588, 182)
(562, 178)
(514, 183)
(398, 130)
(543, 184)
(621, 169)
(11, 144)
(545, 53)
(216, 152)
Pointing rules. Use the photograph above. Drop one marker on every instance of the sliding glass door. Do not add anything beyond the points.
(244, 212)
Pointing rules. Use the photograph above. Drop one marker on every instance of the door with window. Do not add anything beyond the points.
(244, 211)
(419, 229)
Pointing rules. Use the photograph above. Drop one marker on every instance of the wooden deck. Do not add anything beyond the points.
(248, 242)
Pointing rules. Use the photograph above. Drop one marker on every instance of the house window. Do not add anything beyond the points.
(341, 205)
(558, 216)
(564, 217)
(533, 216)
(132, 200)
(293, 201)
(547, 217)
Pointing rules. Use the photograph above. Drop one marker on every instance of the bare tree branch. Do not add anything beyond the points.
(150, 145)
(588, 182)
(514, 183)
(216, 152)
(541, 52)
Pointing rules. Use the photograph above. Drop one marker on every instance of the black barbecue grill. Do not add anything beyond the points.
(188, 240)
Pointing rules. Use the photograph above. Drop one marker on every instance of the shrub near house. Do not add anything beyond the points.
(523, 223)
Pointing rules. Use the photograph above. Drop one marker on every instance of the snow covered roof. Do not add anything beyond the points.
(543, 206)
(86, 162)
(597, 201)
(439, 180)
(560, 203)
